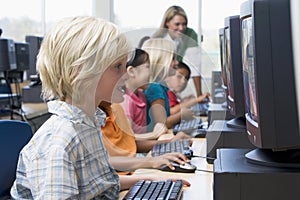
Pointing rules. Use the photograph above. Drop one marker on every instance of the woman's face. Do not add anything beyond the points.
(176, 26)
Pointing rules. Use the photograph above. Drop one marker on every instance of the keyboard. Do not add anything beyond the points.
(195, 127)
(165, 189)
(200, 109)
(182, 146)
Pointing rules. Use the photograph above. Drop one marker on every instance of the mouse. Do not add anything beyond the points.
(185, 168)
(199, 133)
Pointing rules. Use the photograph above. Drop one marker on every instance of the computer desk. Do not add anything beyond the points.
(201, 182)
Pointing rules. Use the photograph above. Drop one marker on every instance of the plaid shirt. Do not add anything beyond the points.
(66, 159)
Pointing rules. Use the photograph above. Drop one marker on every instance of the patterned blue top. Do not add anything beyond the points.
(153, 92)
(66, 159)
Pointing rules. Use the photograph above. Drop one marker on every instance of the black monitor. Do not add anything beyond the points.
(22, 62)
(270, 77)
(7, 55)
(22, 55)
(34, 47)
(234, 72)
(222, 59)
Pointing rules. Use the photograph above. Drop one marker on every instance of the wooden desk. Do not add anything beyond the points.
(33, 110)
(201, 182)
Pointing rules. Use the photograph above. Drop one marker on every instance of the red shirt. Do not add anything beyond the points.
(173, 98)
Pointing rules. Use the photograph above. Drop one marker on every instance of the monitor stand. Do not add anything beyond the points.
(218, 112)
(267, 157)
(220, 135)
(224, 104)
(238, 122)
(237, 179)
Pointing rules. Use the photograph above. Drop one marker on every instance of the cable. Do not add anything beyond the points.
(205, 157)
(204, 170)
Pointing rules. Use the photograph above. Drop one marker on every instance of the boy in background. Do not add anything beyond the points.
(177, 83)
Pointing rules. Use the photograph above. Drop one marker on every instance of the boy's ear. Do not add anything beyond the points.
(130, 70)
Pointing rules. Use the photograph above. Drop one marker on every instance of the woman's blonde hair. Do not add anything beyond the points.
(161, 53)
(168, 16)
(75, 53)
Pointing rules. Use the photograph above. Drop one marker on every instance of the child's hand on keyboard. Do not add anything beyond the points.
(186, 114)
(204, 98)
(167, 158)
(181, 135)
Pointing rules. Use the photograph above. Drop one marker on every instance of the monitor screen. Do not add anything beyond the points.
(222, 56)
(269, 83)
(234, 73)
(227, 58)
(248, 69)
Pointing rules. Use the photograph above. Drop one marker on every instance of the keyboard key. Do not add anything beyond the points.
(182, 146)
(163, 190)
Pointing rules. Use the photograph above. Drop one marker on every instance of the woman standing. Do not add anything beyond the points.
(174, 27)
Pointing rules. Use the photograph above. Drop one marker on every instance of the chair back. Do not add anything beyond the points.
(14, 134)
(4, 86)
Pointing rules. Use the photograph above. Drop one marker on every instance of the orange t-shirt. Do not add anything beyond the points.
(118, 137)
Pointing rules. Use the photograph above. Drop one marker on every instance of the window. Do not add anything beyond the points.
(35, 17)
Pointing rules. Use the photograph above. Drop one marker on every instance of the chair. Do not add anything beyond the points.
(13, 137)
(8, 101)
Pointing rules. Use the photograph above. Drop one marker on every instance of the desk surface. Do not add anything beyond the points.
(201, 182)
(33, 110)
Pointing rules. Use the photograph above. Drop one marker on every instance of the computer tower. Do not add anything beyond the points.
(7, 55)
(237, 179)
(34, 47)
(220, 135)
(22, 56)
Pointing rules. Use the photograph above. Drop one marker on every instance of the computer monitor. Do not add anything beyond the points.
(270, 77)
(22, 55)
(7, 54)
(222, 59)
(22, 62)
(34, 47)
(234, 72)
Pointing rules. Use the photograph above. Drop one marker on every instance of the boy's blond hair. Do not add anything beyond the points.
(161, 53)
(75, 53)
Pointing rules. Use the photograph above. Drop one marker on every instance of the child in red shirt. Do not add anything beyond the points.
(177, 83)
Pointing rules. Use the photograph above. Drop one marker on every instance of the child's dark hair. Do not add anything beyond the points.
(139, 57)
(182, 65)
(142, 40)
